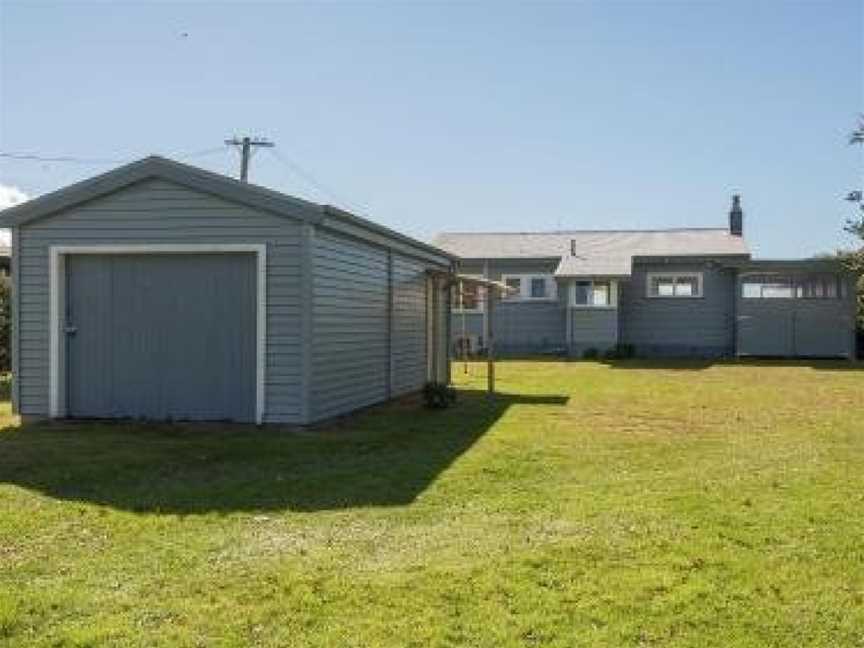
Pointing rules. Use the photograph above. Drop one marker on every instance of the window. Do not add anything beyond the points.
(674, 285)
(587, 294)
(515, 285)
(467, 297)
(538, 288)
(530, 287)
(768, 286)
(818, 287)
(600, 294)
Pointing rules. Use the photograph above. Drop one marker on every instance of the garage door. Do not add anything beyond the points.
(161, 336)
(795, 328)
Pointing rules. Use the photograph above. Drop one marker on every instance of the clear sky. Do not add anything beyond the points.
(482, 116)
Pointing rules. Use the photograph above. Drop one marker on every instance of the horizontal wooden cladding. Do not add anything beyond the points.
(157, 213)
(706, 321)
(349, 325)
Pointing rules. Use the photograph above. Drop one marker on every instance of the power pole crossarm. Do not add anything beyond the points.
(246, 145)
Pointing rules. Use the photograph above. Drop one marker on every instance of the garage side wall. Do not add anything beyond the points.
(370, 324)
(161, 212)
(349, 325)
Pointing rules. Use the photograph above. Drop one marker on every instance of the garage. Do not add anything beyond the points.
(795, 310)
(162, 291)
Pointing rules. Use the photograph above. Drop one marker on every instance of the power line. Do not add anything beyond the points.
(60, 158)
(309, 177)
(34, 157)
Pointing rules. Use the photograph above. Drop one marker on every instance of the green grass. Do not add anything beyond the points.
(591, 504)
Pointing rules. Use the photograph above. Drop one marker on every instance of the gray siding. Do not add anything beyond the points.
(369, 325)
(350, 364)
(156, 211)
(595, 328)
(518, 327)
(817, 328)
(701, 326)
(408, 355)
(526, 327)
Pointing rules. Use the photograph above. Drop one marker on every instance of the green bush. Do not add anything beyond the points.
(438, 395)
(590, 354)
(625, 351)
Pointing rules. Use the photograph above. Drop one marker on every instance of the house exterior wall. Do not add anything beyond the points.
(160, 212)
(593, 328)
(654, 326)
(666, 326)
(519, 327)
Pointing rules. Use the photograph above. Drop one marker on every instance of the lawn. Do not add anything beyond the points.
(590, 504)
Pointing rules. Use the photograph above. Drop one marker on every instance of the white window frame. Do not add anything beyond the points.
(481, 298)
(525, 288)
(613, 294)
(699, 276)
(56, 279)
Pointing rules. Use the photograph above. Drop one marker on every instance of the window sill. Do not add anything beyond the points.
(676, 297)
(584, 307)
(529, 300)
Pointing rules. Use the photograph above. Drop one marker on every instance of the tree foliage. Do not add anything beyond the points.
(855, 226)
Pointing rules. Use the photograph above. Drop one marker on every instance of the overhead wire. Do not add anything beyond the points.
(310, 178)
(74, 159)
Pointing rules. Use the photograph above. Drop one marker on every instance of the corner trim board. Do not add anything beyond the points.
(56, 253)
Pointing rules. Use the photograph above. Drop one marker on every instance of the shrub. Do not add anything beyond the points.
(590, 354)
(611, 354)
(438, 395)
(625, 351)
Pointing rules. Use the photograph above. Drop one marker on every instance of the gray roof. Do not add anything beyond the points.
(598, 253)
(218, 185)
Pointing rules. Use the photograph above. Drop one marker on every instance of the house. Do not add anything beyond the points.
(677, 292)
(163, 291)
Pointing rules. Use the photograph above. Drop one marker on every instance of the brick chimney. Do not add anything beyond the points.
(736, 217)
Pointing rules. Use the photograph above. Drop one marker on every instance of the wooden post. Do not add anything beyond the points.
(490, 341)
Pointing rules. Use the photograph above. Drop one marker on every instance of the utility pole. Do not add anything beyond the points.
(246, 145)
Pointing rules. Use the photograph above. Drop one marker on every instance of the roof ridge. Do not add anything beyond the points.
(590, 231)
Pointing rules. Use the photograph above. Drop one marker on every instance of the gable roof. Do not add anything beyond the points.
(598, 252)
(251, 195)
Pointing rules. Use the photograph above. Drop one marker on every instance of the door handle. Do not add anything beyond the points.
(70, 330)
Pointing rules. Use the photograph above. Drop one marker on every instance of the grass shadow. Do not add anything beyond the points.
(385, 456)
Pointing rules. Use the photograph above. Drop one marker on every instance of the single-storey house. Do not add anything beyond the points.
(677, 292)
(162, 291)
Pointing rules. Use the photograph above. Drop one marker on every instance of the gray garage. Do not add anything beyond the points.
(803, 309)
(162, 291)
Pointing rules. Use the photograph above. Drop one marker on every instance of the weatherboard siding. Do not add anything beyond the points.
(409, 325)
(701, 326)
(350, 303)
(517, 326)
(161, 212)
(593, 328)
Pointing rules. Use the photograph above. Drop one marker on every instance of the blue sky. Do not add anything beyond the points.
(484, 116)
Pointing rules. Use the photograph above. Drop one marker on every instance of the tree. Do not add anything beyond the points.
(855, 226)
